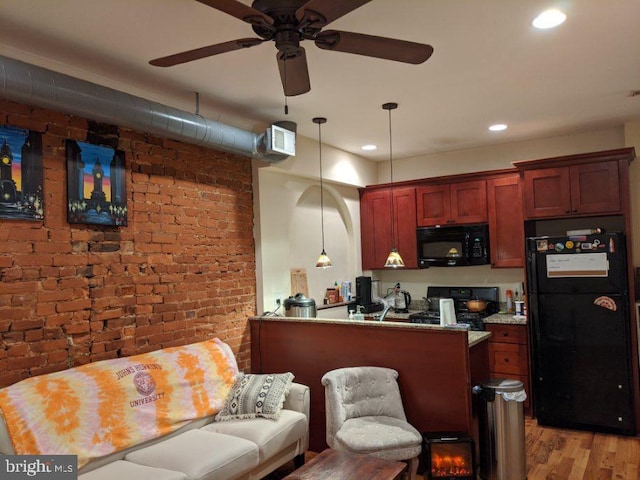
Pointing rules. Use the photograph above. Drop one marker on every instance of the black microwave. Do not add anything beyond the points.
(453, 246)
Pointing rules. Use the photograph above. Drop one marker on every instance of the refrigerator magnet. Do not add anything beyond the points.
(542, 245)
(606, 302)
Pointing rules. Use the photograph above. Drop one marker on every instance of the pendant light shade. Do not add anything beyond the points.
(394, 260)
(323, 260)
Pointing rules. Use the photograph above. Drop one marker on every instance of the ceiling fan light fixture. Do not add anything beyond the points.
(289, 22)
(549, 19)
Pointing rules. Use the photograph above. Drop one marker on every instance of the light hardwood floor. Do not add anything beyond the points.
(558, 454)
(554, 453)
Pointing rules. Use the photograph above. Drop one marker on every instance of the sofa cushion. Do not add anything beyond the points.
(200, 455)
(255, 395)
(121, 470)
(271, 436)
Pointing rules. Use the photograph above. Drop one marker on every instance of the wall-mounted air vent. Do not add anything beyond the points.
(281, 140)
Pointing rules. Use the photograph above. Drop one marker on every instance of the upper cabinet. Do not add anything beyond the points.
(577, 185)
(375, 226)
(589, 184)
(452, 203)
(591, 188)
(506, 232)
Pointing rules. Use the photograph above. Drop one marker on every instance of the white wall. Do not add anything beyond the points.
(499, 156)
(632, 139)
(288, 222)
(288, 230)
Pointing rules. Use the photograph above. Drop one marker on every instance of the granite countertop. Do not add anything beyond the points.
(500, 317)
(474, 337)
(506, 318)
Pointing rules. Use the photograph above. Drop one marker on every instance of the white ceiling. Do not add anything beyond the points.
(489, 66)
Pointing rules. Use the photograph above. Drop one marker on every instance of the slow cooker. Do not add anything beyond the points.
(300, 306)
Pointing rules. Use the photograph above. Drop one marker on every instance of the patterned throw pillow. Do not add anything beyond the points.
(256, 395)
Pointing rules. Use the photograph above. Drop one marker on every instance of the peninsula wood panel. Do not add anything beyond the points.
(434, 366)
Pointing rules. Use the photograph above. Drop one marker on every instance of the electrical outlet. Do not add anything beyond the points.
(277, 299)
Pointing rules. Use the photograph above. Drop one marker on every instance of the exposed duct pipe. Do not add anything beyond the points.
(38, 86)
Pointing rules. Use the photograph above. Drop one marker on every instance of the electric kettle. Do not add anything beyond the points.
(402, 300)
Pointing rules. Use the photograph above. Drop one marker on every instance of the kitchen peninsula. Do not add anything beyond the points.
(437, 366)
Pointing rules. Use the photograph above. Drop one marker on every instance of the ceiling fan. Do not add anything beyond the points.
(287, 23)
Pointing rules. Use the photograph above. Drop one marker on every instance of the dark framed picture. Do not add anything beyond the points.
(21, 177)
(96, 184)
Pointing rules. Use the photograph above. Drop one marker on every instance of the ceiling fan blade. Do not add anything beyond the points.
(240, 11)
(318, 13)
(198, 53)
(294, 73)
(373, 46)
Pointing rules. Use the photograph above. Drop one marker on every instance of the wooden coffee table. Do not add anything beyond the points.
(335, 464)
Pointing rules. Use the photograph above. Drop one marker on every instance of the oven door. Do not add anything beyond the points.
(442, 247)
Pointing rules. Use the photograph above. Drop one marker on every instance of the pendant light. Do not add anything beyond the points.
(394, 260)
(323, 260)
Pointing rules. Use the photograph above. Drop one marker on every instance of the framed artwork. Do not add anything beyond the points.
(96, 184)
(21, 178)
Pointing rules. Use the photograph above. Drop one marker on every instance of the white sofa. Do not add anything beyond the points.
(205, 449)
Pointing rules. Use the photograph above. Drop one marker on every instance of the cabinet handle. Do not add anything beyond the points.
(567, 211)
(506, 360)
(575, 210)
(505, 334)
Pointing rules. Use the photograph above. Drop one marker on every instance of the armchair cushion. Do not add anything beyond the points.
(384, 437)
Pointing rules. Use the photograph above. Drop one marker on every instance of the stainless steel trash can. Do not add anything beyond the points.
(501, 429)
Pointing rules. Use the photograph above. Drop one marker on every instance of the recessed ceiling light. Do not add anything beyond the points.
(498, 127)
(369, 147)
(549, 19)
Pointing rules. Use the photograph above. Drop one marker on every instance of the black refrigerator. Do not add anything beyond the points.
(578, 302)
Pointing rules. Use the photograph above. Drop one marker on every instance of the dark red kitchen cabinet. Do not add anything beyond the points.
(506, 223)
(405, 230)
(434, 205)
(583, 189)
(595, 188)
(452, 204)
(375, 226)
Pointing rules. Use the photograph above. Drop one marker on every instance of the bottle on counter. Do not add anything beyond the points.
(509, 301)
(519, 304)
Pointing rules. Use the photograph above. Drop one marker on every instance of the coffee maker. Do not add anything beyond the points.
(364, 296)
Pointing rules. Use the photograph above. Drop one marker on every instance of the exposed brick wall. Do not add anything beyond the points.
(182, 271)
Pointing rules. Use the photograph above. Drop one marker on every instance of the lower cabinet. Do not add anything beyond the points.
(509, 357)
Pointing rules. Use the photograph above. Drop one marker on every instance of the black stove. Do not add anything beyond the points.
(460, 295)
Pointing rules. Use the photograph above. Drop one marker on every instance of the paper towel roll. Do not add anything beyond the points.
(447, 312)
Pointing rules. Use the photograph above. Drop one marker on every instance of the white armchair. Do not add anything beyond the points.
(364, 414)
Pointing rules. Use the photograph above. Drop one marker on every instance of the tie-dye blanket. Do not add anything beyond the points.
(103, 407)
